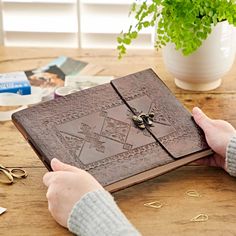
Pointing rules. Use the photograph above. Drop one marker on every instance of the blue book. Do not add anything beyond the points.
(15, 82)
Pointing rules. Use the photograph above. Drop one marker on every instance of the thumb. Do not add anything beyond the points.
(57, 165)
(201, 118)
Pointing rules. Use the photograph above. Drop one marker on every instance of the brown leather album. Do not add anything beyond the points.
(124, 132)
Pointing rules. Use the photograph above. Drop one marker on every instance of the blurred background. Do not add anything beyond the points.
(67, 23)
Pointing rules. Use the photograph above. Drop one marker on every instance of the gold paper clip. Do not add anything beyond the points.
(200, 218)
(193, 193)
(156, 204)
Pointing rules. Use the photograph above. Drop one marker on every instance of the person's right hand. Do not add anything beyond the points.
(218, 134)
(66, 186)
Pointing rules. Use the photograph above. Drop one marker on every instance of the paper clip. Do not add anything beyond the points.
(193, 193)
(2, 210)
(200, 218)
(156, 204)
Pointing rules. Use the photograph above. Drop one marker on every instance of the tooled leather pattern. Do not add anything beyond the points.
(115, 129)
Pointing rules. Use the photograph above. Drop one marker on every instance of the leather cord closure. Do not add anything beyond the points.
(143, 119)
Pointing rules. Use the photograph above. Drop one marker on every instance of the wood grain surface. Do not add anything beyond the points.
(25, 200)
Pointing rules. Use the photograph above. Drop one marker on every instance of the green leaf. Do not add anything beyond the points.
(119, 40)
(214, 19)
(160, 31)
(210, 13)
(127, 41)
(134, 35)
(146, 24)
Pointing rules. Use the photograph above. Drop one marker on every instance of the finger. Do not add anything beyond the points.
(47, 178)
(53, 177)
(60, 166)
(201, 118)
(49, 207)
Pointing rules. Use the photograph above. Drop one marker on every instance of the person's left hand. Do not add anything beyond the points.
(218, 133)
(66, 185)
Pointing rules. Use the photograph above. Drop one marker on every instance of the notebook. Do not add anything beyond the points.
(123, 132)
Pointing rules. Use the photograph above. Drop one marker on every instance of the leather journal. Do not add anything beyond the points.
(124, 132)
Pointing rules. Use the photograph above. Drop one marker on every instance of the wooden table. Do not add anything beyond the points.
(27, 212)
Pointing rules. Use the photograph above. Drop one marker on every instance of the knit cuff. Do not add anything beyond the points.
(96, 214)
(230, 162)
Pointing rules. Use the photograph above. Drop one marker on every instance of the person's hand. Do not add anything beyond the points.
(218, 134)
(66, 185)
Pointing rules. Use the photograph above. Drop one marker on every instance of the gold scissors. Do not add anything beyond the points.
(10, 174)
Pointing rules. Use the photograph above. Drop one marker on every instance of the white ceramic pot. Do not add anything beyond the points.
(204, 69)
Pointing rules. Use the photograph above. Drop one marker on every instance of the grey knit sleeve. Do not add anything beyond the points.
(230, 162)
(96, 214)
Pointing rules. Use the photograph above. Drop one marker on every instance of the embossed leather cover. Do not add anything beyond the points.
(93, 130)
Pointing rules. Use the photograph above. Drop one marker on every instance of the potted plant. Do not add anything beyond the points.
(197, 36)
